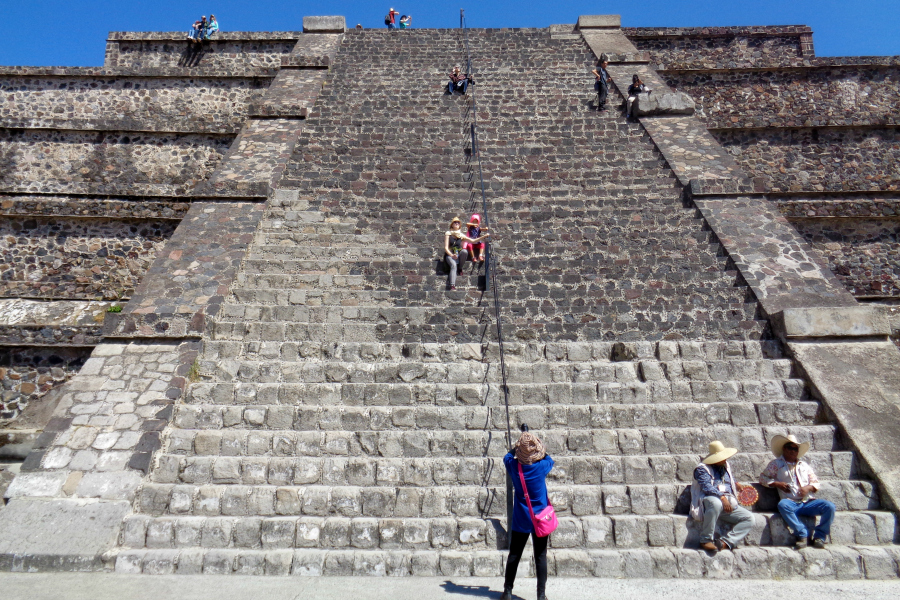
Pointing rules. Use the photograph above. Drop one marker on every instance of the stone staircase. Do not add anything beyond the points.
(349, 419)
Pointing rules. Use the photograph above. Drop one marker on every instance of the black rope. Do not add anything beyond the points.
(489, 266)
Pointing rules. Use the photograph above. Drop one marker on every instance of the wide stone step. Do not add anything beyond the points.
(586, 469)
(292, 367)
(350, 438)
(836, 562)
(225, 394)
(621, 532)
(530, 352)
(687, 279)
(485, 500)
(624, 417)
(651, 324)
(409, 260)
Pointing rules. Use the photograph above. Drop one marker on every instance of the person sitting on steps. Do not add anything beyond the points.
(474, 230)
(637, 87)
(454, 254)
(796, 482)
(212, 28)
(459, 82)
(196, 32)
(602, 82)
(714, 498)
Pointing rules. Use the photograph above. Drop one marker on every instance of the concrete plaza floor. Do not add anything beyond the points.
(108, 586)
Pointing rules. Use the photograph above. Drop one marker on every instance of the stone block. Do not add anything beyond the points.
(370, 564)
(456, 564)
(309, 563)
(844, 321)
(609, 564)
(160, 562)
(218, 562)
(818, 564)
(130, 562)
(752, 563)
(846, 562)
(488, 564)
(638, 563)
(573, 563)
(665, 565)
(425, 564)
(75, 528)
(250, 562)
(630, 532)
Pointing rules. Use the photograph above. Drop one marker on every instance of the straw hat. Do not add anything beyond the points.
(779, 441)
(718, 452)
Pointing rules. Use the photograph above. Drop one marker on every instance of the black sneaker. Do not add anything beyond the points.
(800, 543)
(507, 594)
(818, 543)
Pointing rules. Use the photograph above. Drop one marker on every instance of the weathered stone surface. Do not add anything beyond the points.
(655, 104)
(599, 21)
(324, 24)
(60, 534)
(851, 321)
(723, 47)
(860, 384)
(47, 257)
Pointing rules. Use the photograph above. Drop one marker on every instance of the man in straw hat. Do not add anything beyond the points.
(796, 481)
(714, 498)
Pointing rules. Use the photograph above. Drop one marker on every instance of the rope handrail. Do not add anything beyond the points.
(489, 264)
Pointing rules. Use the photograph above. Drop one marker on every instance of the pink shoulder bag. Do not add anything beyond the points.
(546, 522)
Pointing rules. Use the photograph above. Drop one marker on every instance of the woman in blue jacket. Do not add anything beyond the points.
(528, 452)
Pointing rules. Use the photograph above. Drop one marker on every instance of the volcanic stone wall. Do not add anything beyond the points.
(28, 373)
(227, 52)
(98, 167)
(820, 134)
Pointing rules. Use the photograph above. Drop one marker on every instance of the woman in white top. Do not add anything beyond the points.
(454, 254)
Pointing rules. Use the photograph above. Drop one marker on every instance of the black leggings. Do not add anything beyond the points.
(516, 546)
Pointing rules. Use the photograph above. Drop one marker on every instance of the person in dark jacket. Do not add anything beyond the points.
(602, 82)
(536, 464)
(637, 87)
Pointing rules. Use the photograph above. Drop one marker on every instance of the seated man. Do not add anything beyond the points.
(458, 82)
(714, 497)
(795, 482)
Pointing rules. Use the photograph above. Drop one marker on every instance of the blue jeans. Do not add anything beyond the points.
(791, 511)
(390, 25)
(452, 86)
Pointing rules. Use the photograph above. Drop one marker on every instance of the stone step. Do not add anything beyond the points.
(296, 394)
(552, 352)
(689, 324)
(485, 500)
(624, 417)
(263, 370)
(299, 280)
(835, 562)
(349, 436)
(311, 468)
(408, 260)
(871, 528)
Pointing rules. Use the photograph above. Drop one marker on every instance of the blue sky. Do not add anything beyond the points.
(73, 32)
